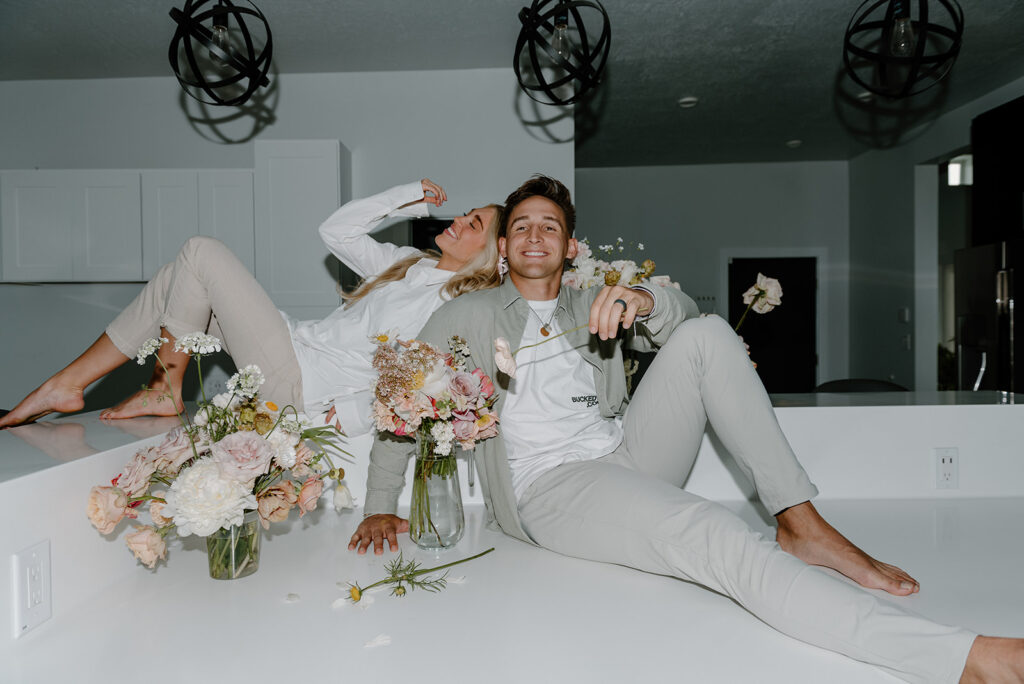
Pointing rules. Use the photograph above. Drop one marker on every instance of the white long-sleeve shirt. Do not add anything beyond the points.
(335, 354)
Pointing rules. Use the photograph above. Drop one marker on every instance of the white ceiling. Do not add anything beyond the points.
(766, 71)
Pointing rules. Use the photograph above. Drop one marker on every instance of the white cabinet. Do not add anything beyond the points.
(70, 225)
(181, 203)
(299, 183)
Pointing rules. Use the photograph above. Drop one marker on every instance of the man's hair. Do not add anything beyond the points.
(541, 186)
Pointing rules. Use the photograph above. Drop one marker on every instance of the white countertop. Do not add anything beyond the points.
(523, 614)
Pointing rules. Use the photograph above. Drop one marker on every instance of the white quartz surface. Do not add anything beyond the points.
(522, 614)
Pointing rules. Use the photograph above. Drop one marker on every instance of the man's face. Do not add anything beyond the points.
(536, 241)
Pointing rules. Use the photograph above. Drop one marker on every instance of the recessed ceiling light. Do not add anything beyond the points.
(793, 144)
(688, 102)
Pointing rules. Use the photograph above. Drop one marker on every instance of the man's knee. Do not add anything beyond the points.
(200, 248)
(700, 333)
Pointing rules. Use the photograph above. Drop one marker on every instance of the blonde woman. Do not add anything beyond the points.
(318, 366)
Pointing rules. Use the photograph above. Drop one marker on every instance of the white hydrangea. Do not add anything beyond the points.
(201, 502)
(197, 343)
(444, 434)
(283, 444)
(148, 348)
(246, 382)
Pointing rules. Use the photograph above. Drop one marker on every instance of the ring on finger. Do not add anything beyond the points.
(622, 302)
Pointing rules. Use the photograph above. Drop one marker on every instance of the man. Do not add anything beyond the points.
(582, 470)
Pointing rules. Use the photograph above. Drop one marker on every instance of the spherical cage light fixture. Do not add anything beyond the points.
(219, 64)
(893, 53)
(557, 60)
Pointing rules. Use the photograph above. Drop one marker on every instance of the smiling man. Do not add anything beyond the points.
(582, 469)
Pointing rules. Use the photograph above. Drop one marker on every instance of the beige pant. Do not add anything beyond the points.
(628, 508)
(207, 289)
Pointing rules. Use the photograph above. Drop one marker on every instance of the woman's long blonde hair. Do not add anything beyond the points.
(479, 273)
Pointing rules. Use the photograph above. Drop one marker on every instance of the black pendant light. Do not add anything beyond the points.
(557, 60)
(214, 53)
(894, 53)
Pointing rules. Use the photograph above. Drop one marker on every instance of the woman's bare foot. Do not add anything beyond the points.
(805, 534)
(995, 660)
(155, 400)
(52, 396)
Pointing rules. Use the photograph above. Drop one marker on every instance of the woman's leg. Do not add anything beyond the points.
(162, 395)
(702, 374)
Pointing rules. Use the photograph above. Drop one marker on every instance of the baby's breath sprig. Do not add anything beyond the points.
(401, 573)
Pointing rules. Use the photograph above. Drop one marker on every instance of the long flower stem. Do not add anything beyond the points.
(537, 344)
(407, 576)
(744, 316)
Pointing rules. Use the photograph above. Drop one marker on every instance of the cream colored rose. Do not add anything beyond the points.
(135, 478)
(147, 545)
(174, 451)
(766, 294)
(156, 508)
(503, 357)
(107, 505)
(242, 456)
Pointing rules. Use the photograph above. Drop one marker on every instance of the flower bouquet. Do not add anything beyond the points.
(587, 271)
(424, 393)
(239, 460)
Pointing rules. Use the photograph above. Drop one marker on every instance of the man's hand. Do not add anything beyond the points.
(617, 305)
(376, 529)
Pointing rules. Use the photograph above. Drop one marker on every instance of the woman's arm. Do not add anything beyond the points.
(346, 231)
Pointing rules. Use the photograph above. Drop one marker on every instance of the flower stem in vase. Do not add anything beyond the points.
(436, 518)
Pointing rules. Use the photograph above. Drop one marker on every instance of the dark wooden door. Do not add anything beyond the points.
(783, 342)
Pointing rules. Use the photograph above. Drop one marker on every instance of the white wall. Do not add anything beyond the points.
(894, 246)
(457, 127)
(686, 216)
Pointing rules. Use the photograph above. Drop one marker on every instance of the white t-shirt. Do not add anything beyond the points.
(550, 415)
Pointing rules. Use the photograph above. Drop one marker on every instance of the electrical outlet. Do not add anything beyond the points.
(31, 587)
(947, 468)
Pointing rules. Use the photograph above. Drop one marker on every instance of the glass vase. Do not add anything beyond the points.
(234, 551)
(436, 520)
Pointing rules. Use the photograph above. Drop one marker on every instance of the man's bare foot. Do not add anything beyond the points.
(995, 660)
(153, 401)
(53, 395)
(805, 534)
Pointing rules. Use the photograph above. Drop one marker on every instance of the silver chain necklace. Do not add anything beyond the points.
(545, 328)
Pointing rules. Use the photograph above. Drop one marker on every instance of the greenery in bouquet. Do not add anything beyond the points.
(586, 270)
(238, 453)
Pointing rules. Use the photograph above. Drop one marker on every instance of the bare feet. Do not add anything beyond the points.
(53, 395)
(805, 534)
(62, 441)
(152, 401)
(994, 660)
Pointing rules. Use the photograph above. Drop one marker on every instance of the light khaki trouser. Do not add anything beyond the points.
(207, 289)
(628, 508)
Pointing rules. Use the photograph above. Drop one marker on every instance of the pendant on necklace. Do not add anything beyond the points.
(544, 330)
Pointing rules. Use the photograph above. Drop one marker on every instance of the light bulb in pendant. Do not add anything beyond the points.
(221, 39)
(561, 41)
(902, 41)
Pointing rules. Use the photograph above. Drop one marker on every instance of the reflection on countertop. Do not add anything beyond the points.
(30, 448)
(988, 398)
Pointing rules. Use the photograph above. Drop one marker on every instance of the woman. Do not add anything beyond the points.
(317, 366)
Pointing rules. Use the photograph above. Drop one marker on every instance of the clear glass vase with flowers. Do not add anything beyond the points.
(238, 461)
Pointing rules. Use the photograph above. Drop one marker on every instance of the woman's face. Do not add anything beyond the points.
(466, 237)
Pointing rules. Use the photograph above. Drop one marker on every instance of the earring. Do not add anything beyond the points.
(502, 268)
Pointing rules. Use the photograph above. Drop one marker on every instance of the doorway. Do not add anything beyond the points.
(783, 342)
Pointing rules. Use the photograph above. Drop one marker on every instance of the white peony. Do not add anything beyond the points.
(201, 501)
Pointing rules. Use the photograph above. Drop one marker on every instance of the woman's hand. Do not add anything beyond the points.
(616, 305)
(376, 529)
(433, 193)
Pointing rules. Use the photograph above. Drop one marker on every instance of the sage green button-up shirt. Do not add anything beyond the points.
(480, 318)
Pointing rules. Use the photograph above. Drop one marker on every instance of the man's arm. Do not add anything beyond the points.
(662, 309)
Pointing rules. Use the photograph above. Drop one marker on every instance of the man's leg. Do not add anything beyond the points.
(703, 374)
(607, 511)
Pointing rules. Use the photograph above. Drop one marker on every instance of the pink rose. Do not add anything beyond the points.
(242, 456)
(465, 430)
(276, 503)
(486, 425)
(486, 386)
(174, 451)
(107, 505)
(312, 488)
(147, 545)
(464, 386)
(156, 508)
(135, 479)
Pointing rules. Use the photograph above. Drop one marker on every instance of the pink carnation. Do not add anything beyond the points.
(242, 456)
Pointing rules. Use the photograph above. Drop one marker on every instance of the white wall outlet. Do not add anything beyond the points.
(31, 587)
(947, 468)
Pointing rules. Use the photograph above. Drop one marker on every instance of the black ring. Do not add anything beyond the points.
(622, 302)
